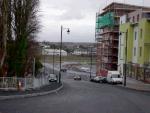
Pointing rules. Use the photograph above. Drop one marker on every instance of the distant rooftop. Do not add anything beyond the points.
(124, 4)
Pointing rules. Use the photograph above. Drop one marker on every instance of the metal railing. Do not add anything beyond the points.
(14, 83)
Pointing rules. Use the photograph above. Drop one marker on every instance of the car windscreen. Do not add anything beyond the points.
(116, 76)
(52, 76)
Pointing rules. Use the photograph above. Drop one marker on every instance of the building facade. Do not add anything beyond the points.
(134, 44)
(107, 34)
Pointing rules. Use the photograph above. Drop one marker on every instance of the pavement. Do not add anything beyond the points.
(136, 85)
(52, 87)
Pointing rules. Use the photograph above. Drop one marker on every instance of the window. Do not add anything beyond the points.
(133, 19)
(134, 51)
(121, 22)
(129, 19)
(138, 16)
(135, 35)
(140, 51)
(141, 33)
(125, 52)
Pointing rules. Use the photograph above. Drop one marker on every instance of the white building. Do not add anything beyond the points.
(53, 52)
(80, 52)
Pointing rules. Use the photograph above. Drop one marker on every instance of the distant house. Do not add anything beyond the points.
(86, 51)
(53, 52)
(43, 45)
(80, 52)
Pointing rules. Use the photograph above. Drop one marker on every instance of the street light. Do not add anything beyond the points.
(125, 68)
(44, 60)
(53, 58)
(34, 67)
(68, 31)
(91, 62)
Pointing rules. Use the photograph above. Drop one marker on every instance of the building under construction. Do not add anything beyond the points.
(107, 34)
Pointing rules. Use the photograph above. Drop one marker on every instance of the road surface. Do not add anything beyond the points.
(82, 97)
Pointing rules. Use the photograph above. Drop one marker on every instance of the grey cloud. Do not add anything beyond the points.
(75, 9)
(78, 10)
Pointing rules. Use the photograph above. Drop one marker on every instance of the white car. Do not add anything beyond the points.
(85, 69)
(77, 77)
(96, 79)
(52, 78)
(99, 79)
(114, 77)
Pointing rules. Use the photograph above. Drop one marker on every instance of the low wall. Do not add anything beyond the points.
(14, 83)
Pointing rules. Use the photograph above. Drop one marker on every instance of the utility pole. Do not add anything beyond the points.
(91, 63)
(126, 33)
(33, 67)
(68, 31)
(44, 60)
(53, 58)
(60, 54)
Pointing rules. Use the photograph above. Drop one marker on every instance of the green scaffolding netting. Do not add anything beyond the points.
(105, 20)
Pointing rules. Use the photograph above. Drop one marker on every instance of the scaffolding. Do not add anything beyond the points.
(107, 34)
(105, 20)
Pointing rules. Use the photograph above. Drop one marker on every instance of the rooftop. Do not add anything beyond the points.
(124, 4)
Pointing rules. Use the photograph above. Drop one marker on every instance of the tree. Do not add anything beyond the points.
(3, 29)
(19, 26)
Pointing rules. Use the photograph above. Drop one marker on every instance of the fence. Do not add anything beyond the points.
(14, 83)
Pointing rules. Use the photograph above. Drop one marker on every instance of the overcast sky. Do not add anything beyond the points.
(78, 15)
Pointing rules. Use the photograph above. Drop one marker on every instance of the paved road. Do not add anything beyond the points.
(70, 73)
(82, 97)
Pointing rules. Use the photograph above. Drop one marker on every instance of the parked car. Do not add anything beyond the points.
(95, 79)
(103, 80)
(85, 69)
(114, 77)
(64, 70)
(52, 78)
(77, 77)
(99, 79)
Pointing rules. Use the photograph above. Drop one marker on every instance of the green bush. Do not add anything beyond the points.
(38, 66)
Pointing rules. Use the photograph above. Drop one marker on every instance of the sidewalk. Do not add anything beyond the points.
(53, 87)
(137, 85)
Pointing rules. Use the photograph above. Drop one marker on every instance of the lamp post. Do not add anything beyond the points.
(53, 58)
(91, 63)
(44, 65)
(34, 67)
(125, 66)
(68, 31)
